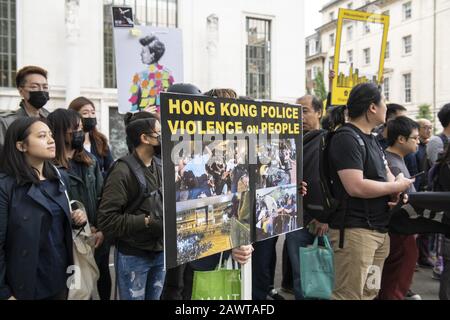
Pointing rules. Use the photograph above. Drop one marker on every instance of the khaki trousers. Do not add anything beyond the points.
(359, 265)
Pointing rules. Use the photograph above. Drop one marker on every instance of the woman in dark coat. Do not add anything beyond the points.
(35, 218)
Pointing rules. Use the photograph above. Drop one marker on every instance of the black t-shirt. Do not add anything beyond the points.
(346, 152)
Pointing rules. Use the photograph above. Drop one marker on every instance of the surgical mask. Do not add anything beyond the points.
(78, 140)
(38, 99)
(157, 149)
(89, 124)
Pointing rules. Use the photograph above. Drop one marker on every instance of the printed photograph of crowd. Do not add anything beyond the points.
(205, 226)
(210, 173)
(276, 211)
(277, 164)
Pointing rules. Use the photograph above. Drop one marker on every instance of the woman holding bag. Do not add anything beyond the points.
(35, 217)
(85, 182)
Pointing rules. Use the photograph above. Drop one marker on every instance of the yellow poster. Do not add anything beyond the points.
(359, 51)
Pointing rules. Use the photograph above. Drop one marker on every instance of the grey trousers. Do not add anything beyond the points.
(444, 290)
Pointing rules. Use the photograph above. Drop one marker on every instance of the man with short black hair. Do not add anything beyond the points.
(393, 111)
(32, 84)
(399, 267)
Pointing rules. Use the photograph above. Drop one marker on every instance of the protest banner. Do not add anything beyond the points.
(231, 173)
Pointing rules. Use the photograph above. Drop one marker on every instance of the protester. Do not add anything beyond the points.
(86, 182)
(138, 234)
(399, 267)
(366, 188)
(35, 217)
(393, 111)
(31, 82)
(435, 150)
(94, 141)
(312, 113)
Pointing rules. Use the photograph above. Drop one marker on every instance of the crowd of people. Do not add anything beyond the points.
(49, 158)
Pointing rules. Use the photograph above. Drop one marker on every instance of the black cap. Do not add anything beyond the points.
(184, 88)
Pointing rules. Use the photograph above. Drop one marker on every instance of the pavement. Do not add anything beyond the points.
(423, 283)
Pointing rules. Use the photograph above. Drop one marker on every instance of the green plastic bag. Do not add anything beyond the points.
(317, 270)
(220, 284)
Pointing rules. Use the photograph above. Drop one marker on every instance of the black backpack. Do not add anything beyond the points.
(134, 204)
(320, 202)
(433, 172)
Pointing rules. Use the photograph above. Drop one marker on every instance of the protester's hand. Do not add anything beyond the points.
(318, 228)
(99, 238)
(242, 254)
(395, 198)
(331, 75)
(79, 218)
(304, 188)
(403, 182)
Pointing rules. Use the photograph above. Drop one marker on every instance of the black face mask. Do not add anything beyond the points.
(38, 99)
(157, 149)
(77, 140)
(89, 124)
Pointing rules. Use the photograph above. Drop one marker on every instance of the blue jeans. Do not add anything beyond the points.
(295, 240)
(140, 278)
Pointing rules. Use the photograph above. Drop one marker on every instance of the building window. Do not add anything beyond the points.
(407, 85)
(407, 11)
(332, 40)
(386, 86)
(350, 56)
(367, 56)
(150, 12)
(258, 66)
(350, 33)
(331, 16)
(366, 28)
(8, 51)
(407, 44)
(350, 5)
(387, 53)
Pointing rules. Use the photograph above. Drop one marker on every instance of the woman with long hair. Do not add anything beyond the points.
(35, 217)
(86, 181)
(95, 142)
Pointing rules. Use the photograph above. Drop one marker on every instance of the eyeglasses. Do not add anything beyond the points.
(427, 127)
(414, 138)
(37, 87)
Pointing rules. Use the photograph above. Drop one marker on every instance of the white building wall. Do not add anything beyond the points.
(42, 41)
(419, 63)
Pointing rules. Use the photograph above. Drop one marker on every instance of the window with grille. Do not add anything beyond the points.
(258, 61)
(407, 85)
(8, 50)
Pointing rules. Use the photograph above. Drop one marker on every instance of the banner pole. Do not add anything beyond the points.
(246, 280)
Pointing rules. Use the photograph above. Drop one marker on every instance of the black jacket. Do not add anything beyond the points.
(22, 209)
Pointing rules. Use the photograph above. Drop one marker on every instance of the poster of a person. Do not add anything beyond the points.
(148, 62)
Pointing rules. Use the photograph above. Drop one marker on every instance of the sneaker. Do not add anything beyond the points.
(410, 295)
(275, 295)
(436, 275)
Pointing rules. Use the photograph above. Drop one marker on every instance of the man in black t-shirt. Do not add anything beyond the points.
(366, 188)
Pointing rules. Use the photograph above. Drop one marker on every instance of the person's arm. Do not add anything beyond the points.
(348, 157)
(434, 147)
(111, 219)
(5, 290)
(358, 187)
